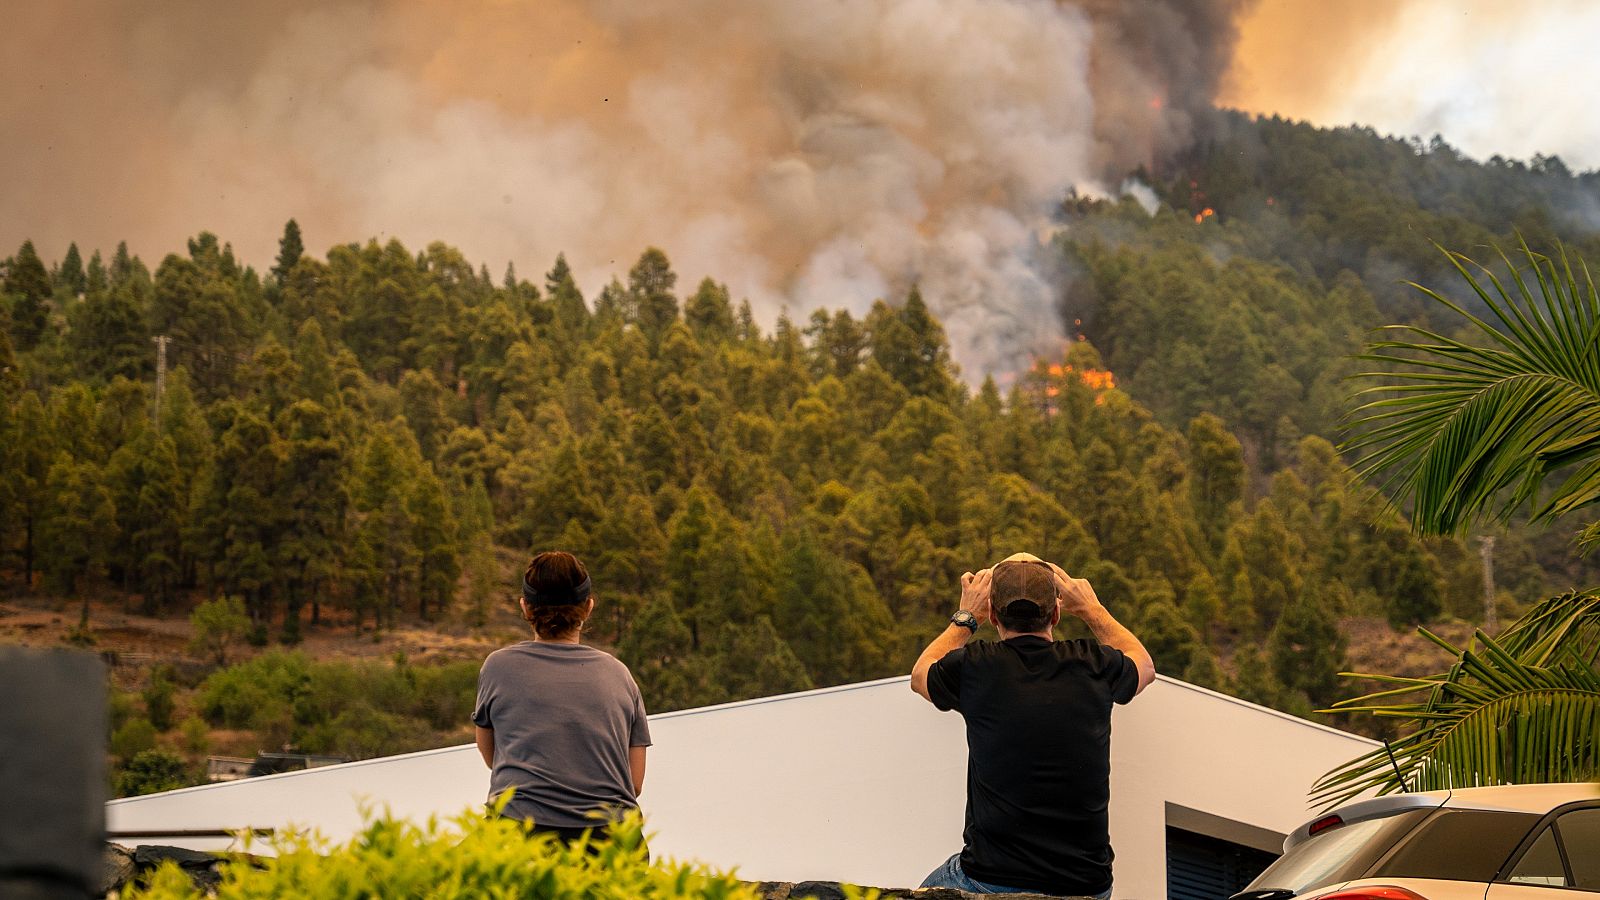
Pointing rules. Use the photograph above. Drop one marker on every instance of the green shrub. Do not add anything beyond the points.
(134, 737)
(158, 698)
(356, 708)
(217, 625)
(153, 770)
(196, 736)
(120, 707)
(473, 856)
(260, 693)
(445, 693)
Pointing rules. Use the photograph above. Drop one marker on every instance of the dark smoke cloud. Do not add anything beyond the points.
(818, 153)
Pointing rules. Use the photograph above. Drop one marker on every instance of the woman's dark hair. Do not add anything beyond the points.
(555, 571)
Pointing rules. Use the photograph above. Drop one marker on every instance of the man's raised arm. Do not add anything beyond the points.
(1078, 598)
(974, 599)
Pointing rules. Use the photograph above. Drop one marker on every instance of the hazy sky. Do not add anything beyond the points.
(1508, 77)
(813, 152)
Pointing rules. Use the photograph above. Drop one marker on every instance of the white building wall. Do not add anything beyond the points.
(861, 783)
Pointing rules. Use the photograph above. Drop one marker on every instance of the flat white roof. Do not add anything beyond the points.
(862, 782)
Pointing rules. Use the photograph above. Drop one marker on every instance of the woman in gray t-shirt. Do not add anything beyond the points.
(560, 724)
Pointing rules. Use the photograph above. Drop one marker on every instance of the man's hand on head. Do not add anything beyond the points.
(1075, 596)
(975, 592)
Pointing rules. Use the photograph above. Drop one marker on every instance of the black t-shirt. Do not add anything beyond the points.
(1038, 719)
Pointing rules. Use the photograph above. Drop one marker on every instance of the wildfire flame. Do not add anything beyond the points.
(1203, 215)
(1063, 374)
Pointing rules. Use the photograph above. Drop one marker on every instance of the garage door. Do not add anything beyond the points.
(1200, 867)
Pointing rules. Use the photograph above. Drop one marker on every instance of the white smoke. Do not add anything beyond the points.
(1142, 194)
(818, 154)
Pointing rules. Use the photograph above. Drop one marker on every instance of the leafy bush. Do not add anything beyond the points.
(472, 856)
(258, 694)
(356, 708)
(196, 736)
(153, 770)
(217, 625)
(158, 701)
(134, 737)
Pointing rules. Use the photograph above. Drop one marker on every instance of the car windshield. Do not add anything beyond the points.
(1338, 854)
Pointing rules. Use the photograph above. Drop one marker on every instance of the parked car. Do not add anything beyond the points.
(1517, 842)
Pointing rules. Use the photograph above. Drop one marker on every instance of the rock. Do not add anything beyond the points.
(833, 890)
(203, 869)
(149, 856)
(818, 890)
(117, 868)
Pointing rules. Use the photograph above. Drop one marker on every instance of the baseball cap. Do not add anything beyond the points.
(1022, 581)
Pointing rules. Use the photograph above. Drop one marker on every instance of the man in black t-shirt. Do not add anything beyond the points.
(1038, 715)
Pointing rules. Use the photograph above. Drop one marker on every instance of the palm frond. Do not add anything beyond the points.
(1465, 432)
(1518, 709)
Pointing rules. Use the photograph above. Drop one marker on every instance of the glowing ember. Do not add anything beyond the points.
(1096, 379)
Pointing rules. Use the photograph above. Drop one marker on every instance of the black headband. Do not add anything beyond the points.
(570, 597)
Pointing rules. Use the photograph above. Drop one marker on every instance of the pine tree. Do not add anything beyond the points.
(476, 527)
(109, 336)
(290, 249)
(28, 282)
(151, 499)
(835, 622)
(71, 277)
(753, 661)
(658, 651)
(1216, 475)
(80, 527)
(650, 284)
(909, 343)
(245, 509)
(709, 313)
(96, 279)
(385, 532)
(11, 380)
(1307, 650)
(434, 537)
(315, 499)
(569, 314)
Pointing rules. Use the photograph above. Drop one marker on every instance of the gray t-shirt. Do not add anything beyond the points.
(564, 716)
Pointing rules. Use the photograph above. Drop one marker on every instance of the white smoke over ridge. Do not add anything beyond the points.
(817, 154)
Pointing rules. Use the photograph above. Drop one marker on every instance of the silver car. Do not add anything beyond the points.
(1517, 842)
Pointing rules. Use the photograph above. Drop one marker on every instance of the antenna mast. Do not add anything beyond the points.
(161, 341)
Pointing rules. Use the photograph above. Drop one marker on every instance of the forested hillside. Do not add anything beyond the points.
(374, 436)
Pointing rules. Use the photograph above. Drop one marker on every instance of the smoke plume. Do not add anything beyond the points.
(819, 153)
(1490, 77)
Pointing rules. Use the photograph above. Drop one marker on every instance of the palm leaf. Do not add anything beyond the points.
(1522, 708)
(1462, 432)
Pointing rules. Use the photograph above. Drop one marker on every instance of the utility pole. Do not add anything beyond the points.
(161, 373)
(1486, 551)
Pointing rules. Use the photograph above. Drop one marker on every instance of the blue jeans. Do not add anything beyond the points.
(950, 875)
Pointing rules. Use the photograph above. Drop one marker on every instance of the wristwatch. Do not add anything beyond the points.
(965, 620)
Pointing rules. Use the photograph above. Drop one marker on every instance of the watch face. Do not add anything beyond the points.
(965, 619)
